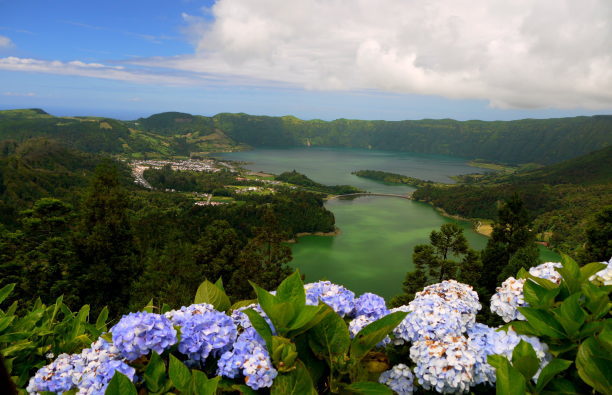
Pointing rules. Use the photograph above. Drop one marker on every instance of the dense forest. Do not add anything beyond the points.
(540, 141)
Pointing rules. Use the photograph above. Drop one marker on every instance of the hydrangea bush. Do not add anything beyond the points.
(321, 338)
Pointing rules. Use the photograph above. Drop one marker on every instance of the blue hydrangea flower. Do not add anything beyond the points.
(508, 298)
(59, 376)
(399, 378)
(137, 334)
(99, 364)
(370, 305)
(548, 271)
(178, 317)
(202, 333)
(428, 319)
(242, 321)
(445, 364)
(457, 296)
(250, 358)
(485, 341)
(340, 299)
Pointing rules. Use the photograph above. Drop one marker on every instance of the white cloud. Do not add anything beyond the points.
(520, 53)
(27, 94)
(6, 42)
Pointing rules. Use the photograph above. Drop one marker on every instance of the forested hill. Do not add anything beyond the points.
(542, 141)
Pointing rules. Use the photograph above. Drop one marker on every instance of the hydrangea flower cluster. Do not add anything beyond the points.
(548, 271)
(178, 317)
(399, 378)
(371, 306)
(340, 299)
(445, 364)
(203, 333)
(447, 308)
(137, 334)
(507, 298)
(90, 371)
(249, 357)
(603, 277)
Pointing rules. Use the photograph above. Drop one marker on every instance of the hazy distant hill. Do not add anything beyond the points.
(173, 133)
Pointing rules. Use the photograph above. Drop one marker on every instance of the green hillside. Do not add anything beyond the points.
(543, 141)
(563, 197)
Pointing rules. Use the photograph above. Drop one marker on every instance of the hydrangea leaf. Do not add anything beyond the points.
(120, 384)
(549, 371)
(243, 303)
(524, 359)
(261, 326)
(597, 299)
(292, 290)
(102, 317)
(570, 273)
(593, 362)
(210, 293)
(373, 334)
(297, 382)
(544, 322)
(202, 385)
(330, 337)
(570, 315)
(591, 268)
(179, 374)
(509, 381)
(369, 388)
(155, 373)
(538, 296)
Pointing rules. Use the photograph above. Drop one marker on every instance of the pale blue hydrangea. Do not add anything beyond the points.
(340, 299)
(98, 365)
(250, 358)
(507, 298)
(445, 364)
(137, 334)
(548, 271)
(604, 276)
(399, 378)
(485, 341)
(457, 296)
(59, 376)
(203, 333)
(241, 320)
(428, 319)
(370, 305)
(360, 322)
(178, 317)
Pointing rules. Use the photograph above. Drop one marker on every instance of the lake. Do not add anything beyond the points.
(373, 252)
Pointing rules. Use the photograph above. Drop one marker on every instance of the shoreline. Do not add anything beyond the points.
(477, 225)
(335, 232)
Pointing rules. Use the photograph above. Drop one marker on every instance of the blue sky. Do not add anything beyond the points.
(384, 59)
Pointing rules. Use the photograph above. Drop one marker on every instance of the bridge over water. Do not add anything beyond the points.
(407, 196)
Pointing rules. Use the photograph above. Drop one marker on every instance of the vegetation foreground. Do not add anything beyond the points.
(320, 338)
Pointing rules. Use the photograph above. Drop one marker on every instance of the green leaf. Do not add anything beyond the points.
(305, 321)
(560, 386)
(261, 326)
(209, 293)
(202, 385)
(265, 299)
(598, 301)
(570, 271)
(538, 296)
(179, 374)
(219, 284)
(509, 381)
(593, 363)
(149, 308)
(297, 382)
(5, 322)
(243, 303)
(570, 315)
(155, 373)
(102, 317)
(292, 290)
(120, 384)
(369, 388)
(524, 360)
(549, 371)
(591, 268)
(373, 334)
(6, 291)
(543, 322)
(523, 328)
(330, 337)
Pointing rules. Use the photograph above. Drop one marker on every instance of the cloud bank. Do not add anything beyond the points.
(516, 54)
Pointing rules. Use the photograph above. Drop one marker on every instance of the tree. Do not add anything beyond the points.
(511, 232)
(104, 243)
(598, 247)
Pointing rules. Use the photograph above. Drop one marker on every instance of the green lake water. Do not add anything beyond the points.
(373, 252)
